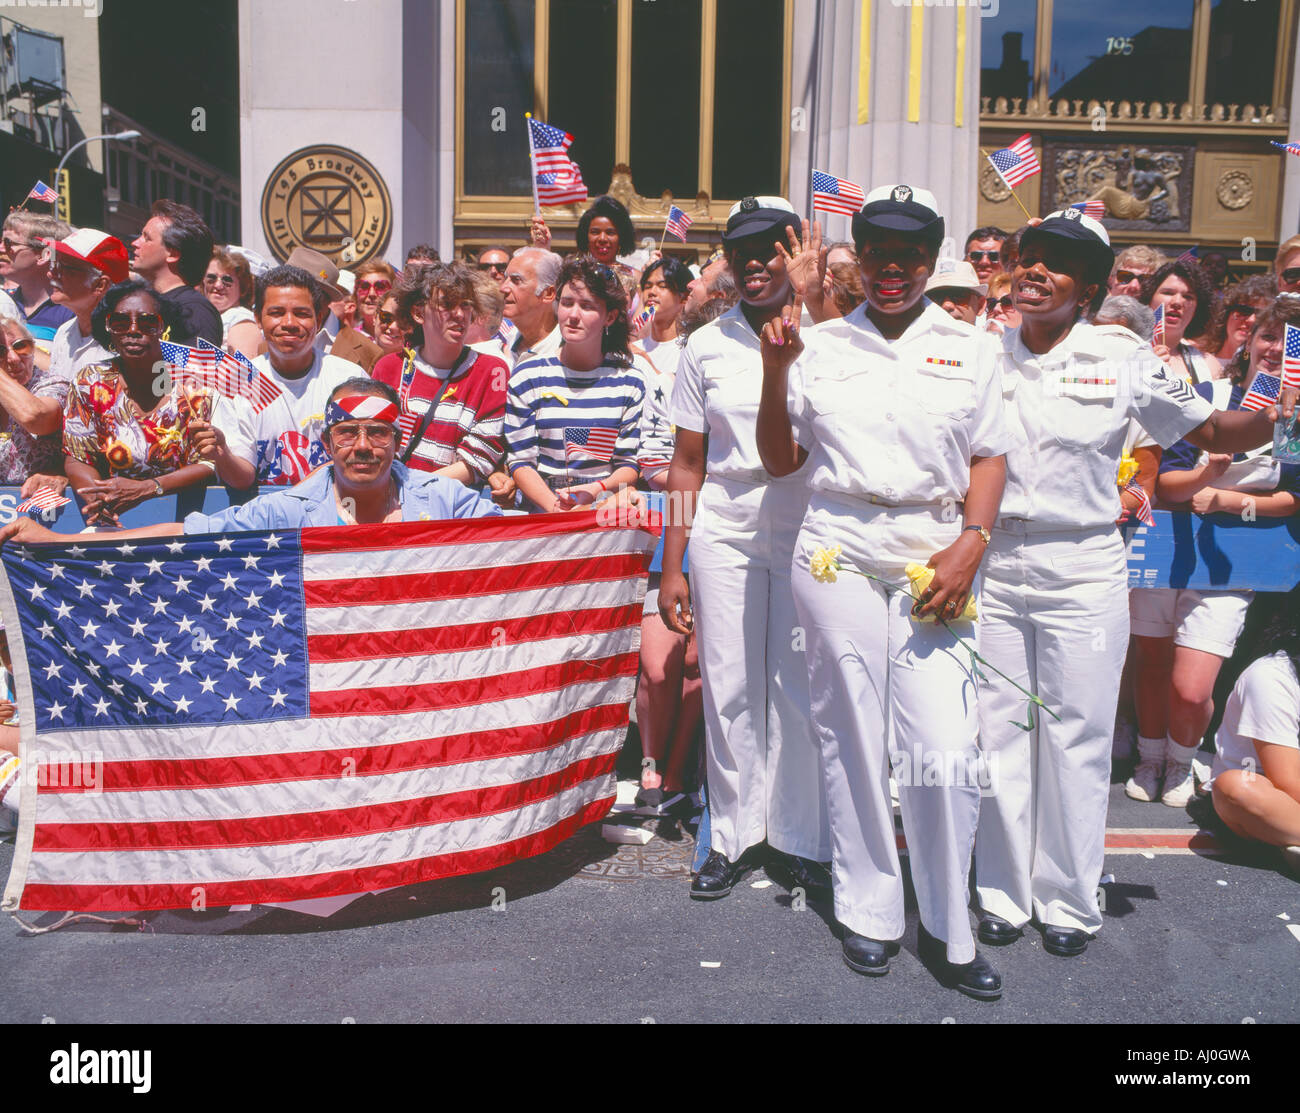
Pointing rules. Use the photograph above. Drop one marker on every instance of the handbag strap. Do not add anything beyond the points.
(425, 421)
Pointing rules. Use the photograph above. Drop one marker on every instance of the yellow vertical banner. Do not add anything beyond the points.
(959, 107)
(63, 188)
(914, 64)
(864, 63)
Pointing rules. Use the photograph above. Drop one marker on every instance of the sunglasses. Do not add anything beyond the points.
(1125, 277)
(500, 268)
(14, 246)
(380, 287)
(980, 256)
(62, 270)
(1242, 310)
(226, 280)
(346, 435)
(1004, 302)
(22, 347)
(1291, 274)
(146, 323)
(387, 320)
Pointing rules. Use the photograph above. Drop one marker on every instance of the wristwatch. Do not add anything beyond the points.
(158, 491)
(985, 536)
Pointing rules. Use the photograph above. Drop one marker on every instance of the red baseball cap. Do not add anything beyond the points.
(98, 249)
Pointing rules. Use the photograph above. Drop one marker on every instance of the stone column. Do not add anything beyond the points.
(936, 150)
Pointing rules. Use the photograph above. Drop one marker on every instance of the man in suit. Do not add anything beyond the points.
(349, 343)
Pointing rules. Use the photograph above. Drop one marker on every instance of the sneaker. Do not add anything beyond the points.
(1144, 785)
(1180, 786)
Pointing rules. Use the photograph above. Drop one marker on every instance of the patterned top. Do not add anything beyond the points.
(23, 455)
(468, 425)
(103, 426)
(573, 426)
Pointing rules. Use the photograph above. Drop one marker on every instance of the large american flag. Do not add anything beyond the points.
(231, 375)
(1291, 357)
(1016, 163)
(267, 717)
(836, 195)
(559, 181)
(1263, 392)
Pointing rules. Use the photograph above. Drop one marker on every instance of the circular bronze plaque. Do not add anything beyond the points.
(328, 199)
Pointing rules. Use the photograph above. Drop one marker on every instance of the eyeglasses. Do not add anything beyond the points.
(1125, 277)
(147, 323)
(1291, 274)
(346, 435)
(382, 286)
(60, 270)
(980, 256)
(226, 280)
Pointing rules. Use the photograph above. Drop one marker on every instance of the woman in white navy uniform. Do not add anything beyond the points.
(1055, 605)
(897, 409)
(763, 767)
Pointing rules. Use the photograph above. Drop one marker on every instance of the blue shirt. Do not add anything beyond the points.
(43, 321)
(424, 497)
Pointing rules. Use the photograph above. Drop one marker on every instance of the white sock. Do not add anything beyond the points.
(1181, 756)
(1151, 749)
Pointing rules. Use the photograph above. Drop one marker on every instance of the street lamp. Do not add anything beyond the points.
(110, 137)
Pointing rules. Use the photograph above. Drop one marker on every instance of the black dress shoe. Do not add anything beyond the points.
(717, 877)
(866, 956)
(812, 876)
(978, 978)
(997, 932)
(1066, 942)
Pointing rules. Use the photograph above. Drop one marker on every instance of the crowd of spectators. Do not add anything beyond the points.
(543, 382)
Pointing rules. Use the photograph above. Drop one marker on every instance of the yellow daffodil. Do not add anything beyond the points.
(921, 577)
(1128, 468)
(825, 564)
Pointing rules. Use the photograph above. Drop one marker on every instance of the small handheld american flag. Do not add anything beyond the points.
(1191, 255)
(42, 192)
(1291, 358)
(1143, 510)
(1016, 163)
(643, 318)
(45, 499)
(1094, 209)
(836, 195)
(1158, 336)
(593, 444)
(1263, 392)
(232, 376)
(556, 177)
(1290, 148)
(677, 224)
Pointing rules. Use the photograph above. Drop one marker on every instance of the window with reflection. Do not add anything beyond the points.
(583, 43)
(1243, 37)
(665, 129)
(1120, 50)
(498, 74)
(1007, 43)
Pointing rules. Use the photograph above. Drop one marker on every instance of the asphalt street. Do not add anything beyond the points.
(595, 932)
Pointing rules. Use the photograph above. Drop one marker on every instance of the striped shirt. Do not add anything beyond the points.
(551, 409)
(469, 423)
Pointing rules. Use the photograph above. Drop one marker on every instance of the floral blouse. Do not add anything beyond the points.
(22, 454)
(104, 428)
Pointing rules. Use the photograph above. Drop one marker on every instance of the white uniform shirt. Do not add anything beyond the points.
(1264, 707)
(898, 421)
(1069, 411)
(719, 381)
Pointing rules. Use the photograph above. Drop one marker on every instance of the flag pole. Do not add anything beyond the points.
(532, 164)
(1007, 184)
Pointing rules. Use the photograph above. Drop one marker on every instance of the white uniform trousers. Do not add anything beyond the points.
(890, 692)
(764, 771)
(1055, 619)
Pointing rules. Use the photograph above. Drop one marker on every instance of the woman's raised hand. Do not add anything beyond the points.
(780, 336)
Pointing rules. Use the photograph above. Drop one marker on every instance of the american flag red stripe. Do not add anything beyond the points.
(467, 683)
(47, 498)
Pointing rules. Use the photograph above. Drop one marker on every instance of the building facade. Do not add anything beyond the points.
(1163, 110)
